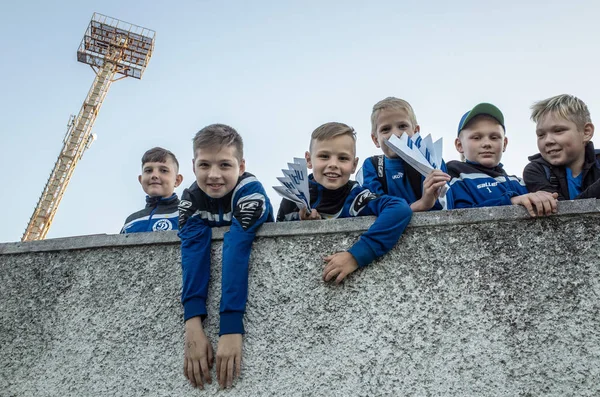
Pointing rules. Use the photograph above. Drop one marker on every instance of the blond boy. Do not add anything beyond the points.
(389, 174)
(567, 163)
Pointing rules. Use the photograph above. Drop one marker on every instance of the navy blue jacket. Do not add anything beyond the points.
(401, 180)
(158, 215)
(393, 215)
(474, 185)
(541, 175)
(245, 209)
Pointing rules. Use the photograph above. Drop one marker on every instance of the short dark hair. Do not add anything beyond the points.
(159, 155)
(219, 136)
(331, 130)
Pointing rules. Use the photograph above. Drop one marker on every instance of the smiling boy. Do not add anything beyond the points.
(332, 158)
(567, 163)
(480, 181)
(160, 176)
(222, 195)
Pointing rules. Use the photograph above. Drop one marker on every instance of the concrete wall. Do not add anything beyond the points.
(470, 302)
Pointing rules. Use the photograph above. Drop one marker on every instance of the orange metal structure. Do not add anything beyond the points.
(112, 48)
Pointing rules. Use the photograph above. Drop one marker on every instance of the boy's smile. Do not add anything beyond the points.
(561, 143)
(483, 142)
(332, 161)
(159, 179)
(392, 121)
(217, 170)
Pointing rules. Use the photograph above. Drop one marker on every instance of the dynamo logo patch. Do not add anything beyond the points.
(162, 226)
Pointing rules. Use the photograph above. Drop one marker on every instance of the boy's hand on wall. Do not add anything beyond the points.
(197, 353)
(431, 190)
(340, 264)
(313, 216)
(537, 204)
(229, 359)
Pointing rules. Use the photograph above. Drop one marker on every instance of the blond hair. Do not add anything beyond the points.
(392, 103)
(566, 106)
(331, 130)
(219, 136)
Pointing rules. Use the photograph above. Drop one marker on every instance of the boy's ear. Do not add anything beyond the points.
(178, 180)
(417, 128)
(194, 165)
(242, 166)
(375, 141)
(588, 132)
(458, 145)
(308, 162)
(505, 144)
(140, 179)
(354, 165)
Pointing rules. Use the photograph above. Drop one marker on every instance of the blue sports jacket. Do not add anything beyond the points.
(383, 175)
(245, 209)
(474, 185)
(159, 214)
(393, 215)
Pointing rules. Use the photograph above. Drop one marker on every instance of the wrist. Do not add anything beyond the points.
(194, 323)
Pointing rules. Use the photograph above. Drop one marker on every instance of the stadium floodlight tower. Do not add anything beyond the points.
(111, 47)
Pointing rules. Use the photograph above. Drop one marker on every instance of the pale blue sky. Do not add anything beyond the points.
(274, 70)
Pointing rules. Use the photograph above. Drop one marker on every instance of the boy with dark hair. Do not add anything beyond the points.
(480, 181)
(331, 156)
(222, 195)
(388, 173)
(567, 163)
(160, 176)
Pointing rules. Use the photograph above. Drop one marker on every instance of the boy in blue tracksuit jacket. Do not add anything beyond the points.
(333, 195)
(222, 195)
(160, 176)
(481, 181)
(389, 174)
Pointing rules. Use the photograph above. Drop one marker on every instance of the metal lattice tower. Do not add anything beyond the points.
(111, 47)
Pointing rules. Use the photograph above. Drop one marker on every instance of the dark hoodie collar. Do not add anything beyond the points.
(157, 200)
(326, 200)
(493, 172)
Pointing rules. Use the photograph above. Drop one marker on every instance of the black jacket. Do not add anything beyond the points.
(541, 175)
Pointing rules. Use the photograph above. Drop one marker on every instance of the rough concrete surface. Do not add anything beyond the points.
(469, 303)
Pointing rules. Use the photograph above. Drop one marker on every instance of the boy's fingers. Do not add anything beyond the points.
(185, 367)
(527, 204)
(218, 369)
(330, 274)
(223, 380)
(197, 376)
(205, 370)
(238, 366)
(230, 371)
(211, 358)
(340, 277)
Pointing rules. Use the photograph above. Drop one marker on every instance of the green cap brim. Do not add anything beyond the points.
(483, 108)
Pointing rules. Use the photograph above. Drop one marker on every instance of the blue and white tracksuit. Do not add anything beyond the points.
(159, 214)
(351, 200)
(245, 209)
(393, 176)
(474, 185)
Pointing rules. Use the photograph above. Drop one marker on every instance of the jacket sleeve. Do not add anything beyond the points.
(195, 266)
(591, 192)
(393, 215)
(535, 179)
(251, 209)
(367, 177)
